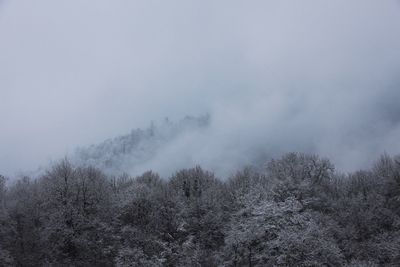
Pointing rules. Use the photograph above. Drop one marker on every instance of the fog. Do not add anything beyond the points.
(275, 76)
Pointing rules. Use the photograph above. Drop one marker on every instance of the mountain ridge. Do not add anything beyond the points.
(126, 153)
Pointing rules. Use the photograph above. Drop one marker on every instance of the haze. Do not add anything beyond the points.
(275, 76)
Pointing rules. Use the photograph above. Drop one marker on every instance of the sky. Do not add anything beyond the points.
(275, 76)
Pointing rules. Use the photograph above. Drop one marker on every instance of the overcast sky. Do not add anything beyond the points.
(311, 76)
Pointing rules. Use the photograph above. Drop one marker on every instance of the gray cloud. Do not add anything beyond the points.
(275, 76)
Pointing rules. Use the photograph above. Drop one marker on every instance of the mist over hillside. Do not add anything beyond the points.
(232, 138)
(136, 151)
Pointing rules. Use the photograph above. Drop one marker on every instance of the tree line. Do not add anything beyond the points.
(295, 211)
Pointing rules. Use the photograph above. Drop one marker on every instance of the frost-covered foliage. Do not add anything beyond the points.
(297, 211)
(128, 153)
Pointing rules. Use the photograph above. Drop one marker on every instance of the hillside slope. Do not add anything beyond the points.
(127, 153)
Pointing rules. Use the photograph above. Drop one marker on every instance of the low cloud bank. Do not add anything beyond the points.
(275, 76)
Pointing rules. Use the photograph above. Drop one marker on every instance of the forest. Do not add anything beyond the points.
(296, 210)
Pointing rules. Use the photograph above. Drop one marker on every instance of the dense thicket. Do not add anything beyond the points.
(297, 211)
